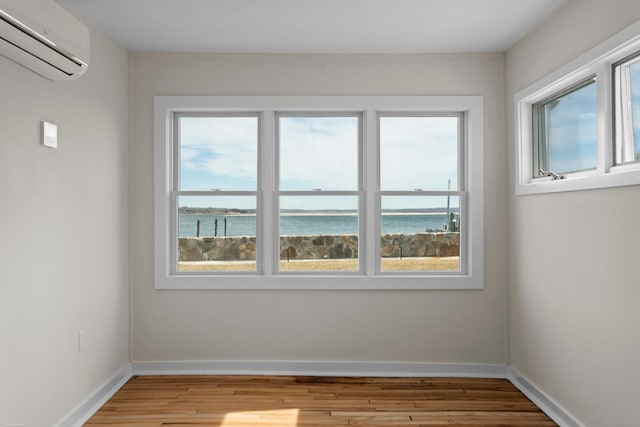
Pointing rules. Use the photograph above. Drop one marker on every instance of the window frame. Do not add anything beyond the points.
(368, 106)
(358, 192)
(599, 62)
(540, 140)
(462, 146)
(176, 192)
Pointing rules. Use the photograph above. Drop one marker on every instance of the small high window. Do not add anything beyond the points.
(579, 127)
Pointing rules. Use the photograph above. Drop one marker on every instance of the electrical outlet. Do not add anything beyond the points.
(82, 340)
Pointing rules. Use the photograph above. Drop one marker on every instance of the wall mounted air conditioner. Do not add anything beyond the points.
(44, 37)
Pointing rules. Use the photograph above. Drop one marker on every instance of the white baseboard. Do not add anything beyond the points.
(550, 407)
(81, 413)
(315, 368)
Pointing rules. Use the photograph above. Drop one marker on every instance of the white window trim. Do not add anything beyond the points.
(369, 106)
(599, 62)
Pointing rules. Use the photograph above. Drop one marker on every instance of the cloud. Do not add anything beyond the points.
(319, 152)
(219, 152)
(418, 152)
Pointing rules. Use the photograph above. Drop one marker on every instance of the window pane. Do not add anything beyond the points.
(217, 233)
(635, 102)
(420, 233)
(567, 131)
(419, 152)
(319, 153)
(318, 233)
(628, 111)
(218, 153)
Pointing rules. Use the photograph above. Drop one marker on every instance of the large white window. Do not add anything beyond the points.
(318, 193)
(579, 128)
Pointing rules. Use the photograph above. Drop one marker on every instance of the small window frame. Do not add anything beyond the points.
(540, 143)
(599, 62)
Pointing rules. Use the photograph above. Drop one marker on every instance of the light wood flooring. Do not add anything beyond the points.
(254, 401)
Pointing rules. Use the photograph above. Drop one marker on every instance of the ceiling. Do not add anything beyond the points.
(315, 26)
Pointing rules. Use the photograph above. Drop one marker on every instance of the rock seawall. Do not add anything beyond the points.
(319, 247)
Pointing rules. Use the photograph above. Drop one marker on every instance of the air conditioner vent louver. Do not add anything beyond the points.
(45, 48)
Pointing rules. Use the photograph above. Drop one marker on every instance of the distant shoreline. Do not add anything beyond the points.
(320, 213)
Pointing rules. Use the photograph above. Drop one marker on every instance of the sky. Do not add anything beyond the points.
(418, 153)
(218, 153)
(317, 153)
(572, 140)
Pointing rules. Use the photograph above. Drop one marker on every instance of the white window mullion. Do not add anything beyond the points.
(370, 213)
(266, 195)
(463, 229)
(173, 230)
(624, 115)
(605, 149)
(173, 187)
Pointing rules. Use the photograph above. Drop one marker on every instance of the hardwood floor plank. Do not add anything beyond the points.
(255, 401)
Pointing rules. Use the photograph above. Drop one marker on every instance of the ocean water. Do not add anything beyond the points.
(303, 225)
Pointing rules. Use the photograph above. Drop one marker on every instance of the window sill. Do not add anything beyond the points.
(617, 176)
(303, 282)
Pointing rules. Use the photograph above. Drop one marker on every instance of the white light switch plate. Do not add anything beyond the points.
(49, 135)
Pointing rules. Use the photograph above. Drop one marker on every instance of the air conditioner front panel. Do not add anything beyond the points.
(38, 66)
(38, 50)
(56, 47)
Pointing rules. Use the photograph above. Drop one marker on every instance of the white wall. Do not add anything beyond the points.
(573, 268)
(422, 326)
(64, 236)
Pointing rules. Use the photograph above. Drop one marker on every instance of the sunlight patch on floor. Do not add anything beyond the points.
(279, 417)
